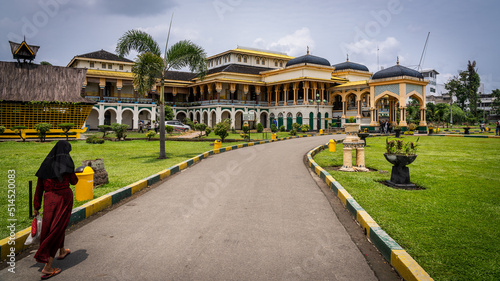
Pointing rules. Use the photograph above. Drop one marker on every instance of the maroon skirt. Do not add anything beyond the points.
(57, 206)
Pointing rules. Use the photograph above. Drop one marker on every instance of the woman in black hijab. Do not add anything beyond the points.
(55, 175)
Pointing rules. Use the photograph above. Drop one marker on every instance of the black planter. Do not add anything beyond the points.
(363, 136)
(400, 174)
(466, 130)
(398, 133)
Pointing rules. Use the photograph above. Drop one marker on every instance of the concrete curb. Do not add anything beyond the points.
(465, 136)
(94, 206)
(404, 264)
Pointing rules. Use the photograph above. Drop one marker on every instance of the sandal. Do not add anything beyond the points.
(54, 273)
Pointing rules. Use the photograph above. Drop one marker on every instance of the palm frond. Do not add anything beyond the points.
(147, 69)
(139, 41)
(187, 54)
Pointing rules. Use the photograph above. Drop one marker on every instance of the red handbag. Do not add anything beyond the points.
(34, 226)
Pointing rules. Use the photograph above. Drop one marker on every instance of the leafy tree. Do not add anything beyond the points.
(66, 127)
(2, 129)
(293, 132)
(45, 63)
(169, 113)
(104, 129)
(120, 130)
(208, 130)
(200, 127)
(181, 54)
(304, 128)
(260, 127)
(19, 130)
(190, 123)
(496, 102)
(151, 134)
(146, 69)
(222, 128)
(282, 128)
(296, 126)
(430, 113)
(246, 129)
(464, 87)
(42, 130)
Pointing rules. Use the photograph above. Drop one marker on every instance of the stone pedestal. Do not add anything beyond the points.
(100, 174)
(351, 142)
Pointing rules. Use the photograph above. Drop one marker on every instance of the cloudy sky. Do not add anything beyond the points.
(372, 32)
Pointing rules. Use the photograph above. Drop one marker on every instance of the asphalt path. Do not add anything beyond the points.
(254, 213)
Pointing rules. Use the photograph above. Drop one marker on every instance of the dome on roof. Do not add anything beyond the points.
(396, 71)
(308, 59)
(350, 65)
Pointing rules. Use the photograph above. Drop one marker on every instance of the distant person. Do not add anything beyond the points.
(386, 127)
(141, 127)
(497, 132)
(156, 127)
(149, 126)
(55, 175)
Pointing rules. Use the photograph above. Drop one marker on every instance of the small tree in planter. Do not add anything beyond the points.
(169, 129)
(304, 128)
(222, 128)
(120, 130)
(208, 130)
(246, 129)
(19, 130)
(200, 127)
(260, 127)
(400, 154)
(397, 130)
(105, 129)
(151, 134)
(42, 130)
(293, 132)
(66, 127)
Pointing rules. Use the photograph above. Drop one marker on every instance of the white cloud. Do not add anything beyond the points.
(365, 52)
(294, 44)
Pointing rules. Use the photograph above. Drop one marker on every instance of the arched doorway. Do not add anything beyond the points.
(263, 119)
(109, 117)
(93, 119)
(289, 121)
(238, 120)
(326, 120)
(318, 121)
(311, 120)
(271, 119)
(213, 118)
(198, 117)
(205, 118)
(299, 118)
(181, 116)
(280, 120)
(128, 118)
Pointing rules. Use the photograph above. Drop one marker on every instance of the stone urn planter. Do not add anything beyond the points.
(466, 130)
(400, 175)
(397, 132)
(363, 136)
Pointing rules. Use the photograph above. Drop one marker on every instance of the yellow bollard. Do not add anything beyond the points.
(332, 146)
(84, 189)
(320, 131)
(217, 144)
(273, 136)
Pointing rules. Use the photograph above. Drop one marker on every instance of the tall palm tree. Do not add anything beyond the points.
(182, 54)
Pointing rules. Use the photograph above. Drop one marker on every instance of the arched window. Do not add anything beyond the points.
(263, 61)
(229, 58)
(289, 115)
(275, 63)
(281, 64)
(245, 59)
(257, 61)
(225, 59)
(239, 58)
(299, 114)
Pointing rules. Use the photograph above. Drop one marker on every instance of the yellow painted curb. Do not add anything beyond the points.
(216, 151)
(138, 185)
(318, 170)
(344, 195)
(366, 221)
(183, 165)
(329, 180)
(206, 154)
(240, 145)
(229, 148)
(96, 205)
(407, 267)
(20, 238)
(165, 173)
(251, 144)
(196, 159)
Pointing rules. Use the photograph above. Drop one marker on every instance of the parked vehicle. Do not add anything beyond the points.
(178, 125)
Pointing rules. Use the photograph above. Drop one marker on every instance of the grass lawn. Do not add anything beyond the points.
(452, 228)
(126, 162)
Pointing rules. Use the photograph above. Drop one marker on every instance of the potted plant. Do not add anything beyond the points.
(466, 129)
(400, 154)
(431, 128)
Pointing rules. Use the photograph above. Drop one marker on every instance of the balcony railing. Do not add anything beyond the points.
(121, 100)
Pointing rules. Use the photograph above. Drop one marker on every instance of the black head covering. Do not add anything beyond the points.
(57, 163)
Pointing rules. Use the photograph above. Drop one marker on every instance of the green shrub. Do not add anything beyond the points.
(2, 129)
(169, 129)
(260, 127)
(282, 129)
(304, 128)
(208, 130)
(66, 127)
(200, 127)
(19, 130)
(222, 128)
(93, 139)
(189, 122)
(151, 134)
(42, 130)
(412, 127)
(296, 126)
(352, 119)
(274, 129)
(104, 129)
(120, 130)
(293, 132)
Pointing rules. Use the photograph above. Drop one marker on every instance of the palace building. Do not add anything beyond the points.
(256, 86)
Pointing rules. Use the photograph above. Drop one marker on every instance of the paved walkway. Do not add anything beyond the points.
(250, 214)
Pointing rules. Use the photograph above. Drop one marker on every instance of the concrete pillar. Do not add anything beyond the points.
(347, 165)
(360, 159)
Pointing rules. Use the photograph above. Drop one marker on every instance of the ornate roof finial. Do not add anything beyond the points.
(347, 57)
(397, 62)
(308, 50)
